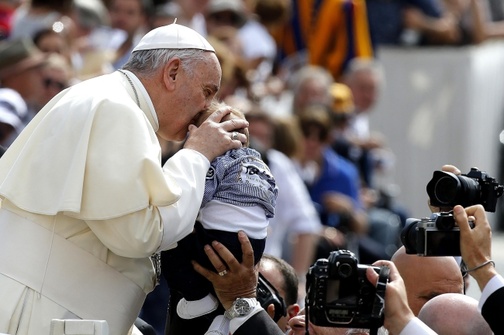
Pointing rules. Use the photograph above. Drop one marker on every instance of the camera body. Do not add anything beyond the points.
(437, 235)
(446, 189)
(267, 294)
(338, 293)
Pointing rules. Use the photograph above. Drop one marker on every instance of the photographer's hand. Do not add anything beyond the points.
(397, 312)
(476, 243)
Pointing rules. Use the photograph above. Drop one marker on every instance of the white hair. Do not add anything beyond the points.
(147, 62)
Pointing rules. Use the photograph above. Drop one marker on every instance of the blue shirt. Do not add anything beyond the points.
(337, 175)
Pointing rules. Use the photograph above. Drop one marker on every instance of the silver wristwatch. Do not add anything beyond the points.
(240, 307)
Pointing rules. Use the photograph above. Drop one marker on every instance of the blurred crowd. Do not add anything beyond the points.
(305, 73)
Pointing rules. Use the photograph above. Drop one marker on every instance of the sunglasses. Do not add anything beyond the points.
(49, 82)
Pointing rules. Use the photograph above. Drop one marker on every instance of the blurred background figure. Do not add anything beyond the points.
(35, 15)
(310, 85)
(164, 13)
(130, 17)
(56, 75)
(7, 8)
(192, 14)
(365, 78)
(12, 112)
(50, 41)
(21, 64)
(234, 80)
(293, 232)
(325, 33)
(385, 216)
(333, 183)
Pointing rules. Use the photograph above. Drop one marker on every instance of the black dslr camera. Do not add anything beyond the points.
(446, 189)
(438, 235)
(338, 293)
(267, 294)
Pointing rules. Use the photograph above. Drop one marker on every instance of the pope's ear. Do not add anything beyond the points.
(271, 310)
(171, 71)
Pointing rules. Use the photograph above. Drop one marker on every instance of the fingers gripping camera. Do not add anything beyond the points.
(338, 293)
(446, 189)
(434, 236)
(438, 235)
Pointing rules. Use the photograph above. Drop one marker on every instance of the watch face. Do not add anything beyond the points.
(242, 307)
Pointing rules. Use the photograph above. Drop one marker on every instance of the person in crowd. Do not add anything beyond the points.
(240, 194)
(293, 232)
(444, 276)
(35, 15)
(129, 16)
(454, 314)
(310, 85)
(352, 104)
(365, 78)
(164, 14)
(85, 199)
(238, 288)
(50, 41)
(57, 75)
(13, 110)
(412, 23)
(234, 71)
(21, 64)
(7, 9)
(192, 14)
(282, 276)
(333, 181)
(224, 13)
(325, 33)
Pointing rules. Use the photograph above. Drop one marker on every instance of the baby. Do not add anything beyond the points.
(240, 194)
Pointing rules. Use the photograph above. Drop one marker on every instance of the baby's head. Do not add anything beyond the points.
(235, 114)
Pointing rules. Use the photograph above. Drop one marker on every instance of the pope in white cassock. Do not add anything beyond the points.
(85, 200)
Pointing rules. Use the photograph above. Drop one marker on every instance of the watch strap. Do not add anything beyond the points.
(241, 307)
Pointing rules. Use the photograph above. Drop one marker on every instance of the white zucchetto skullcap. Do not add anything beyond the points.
(173, 36)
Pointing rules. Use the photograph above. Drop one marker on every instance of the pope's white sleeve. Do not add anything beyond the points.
(188, 168)
(153, 229)
(417, 327)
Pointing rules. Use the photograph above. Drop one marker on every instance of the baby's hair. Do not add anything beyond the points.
(216, 105)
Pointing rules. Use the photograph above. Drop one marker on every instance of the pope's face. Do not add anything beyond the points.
(194, 90)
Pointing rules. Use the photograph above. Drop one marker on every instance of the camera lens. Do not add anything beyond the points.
(446, 189)
(409, 236)
(345, 270)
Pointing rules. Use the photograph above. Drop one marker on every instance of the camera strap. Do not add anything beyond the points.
(379, 302)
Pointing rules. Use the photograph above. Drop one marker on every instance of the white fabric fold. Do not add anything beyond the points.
(93, 158)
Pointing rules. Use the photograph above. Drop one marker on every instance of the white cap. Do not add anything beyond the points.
(173, 36)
